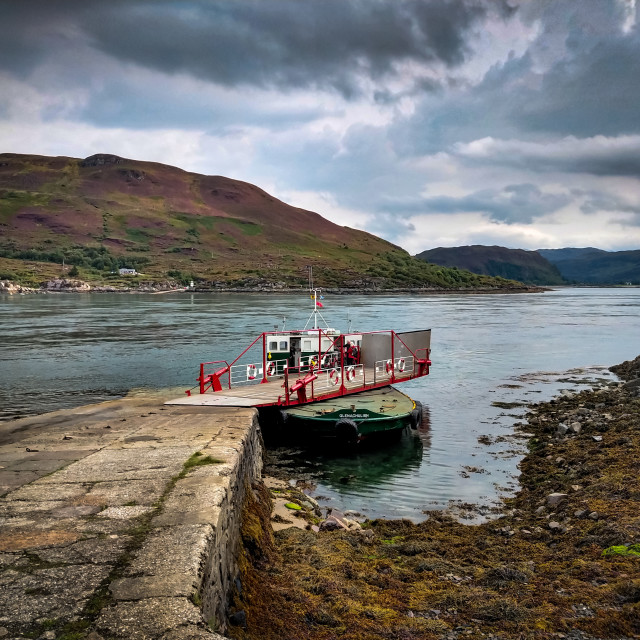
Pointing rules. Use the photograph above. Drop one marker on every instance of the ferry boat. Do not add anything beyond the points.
(297, 367)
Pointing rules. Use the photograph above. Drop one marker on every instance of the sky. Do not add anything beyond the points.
(428, 123)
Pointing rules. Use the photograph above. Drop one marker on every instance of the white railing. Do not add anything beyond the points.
(384, 369)
(253, 372)
(331, 377)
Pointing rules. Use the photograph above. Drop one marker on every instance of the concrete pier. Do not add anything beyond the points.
(122, 519)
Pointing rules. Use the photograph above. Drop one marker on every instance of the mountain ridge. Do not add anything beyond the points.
(542, 267)
(104, 212)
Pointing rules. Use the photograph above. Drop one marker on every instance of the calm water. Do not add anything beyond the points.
(67, 350)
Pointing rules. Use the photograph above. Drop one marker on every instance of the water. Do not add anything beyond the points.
(60, 351)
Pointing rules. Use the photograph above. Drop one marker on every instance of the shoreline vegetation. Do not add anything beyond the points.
(72, 286)
(562, 560)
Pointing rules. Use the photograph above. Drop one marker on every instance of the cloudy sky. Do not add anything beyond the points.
(427, 122)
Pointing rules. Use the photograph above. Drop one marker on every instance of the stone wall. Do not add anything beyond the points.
(221, 569)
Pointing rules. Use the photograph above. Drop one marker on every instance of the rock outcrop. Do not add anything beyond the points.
(11, 288)
(65, 285)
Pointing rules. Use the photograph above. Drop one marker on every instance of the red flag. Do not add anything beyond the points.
(319, 304)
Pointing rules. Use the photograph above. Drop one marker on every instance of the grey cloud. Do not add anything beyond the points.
(596, 156)
(596, 201)
(281, 43)
(596, 91)
(580, 76)
(134, 103)
(515, 203)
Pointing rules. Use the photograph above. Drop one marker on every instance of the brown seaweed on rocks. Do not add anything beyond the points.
(559, 562)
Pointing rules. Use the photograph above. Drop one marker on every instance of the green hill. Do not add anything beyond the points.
(106, 212)
(595, 266)
(517, 264)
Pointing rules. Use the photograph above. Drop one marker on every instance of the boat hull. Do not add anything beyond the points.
(355, 417)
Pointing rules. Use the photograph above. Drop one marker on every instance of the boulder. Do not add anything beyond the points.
(555, 498)
(332, 523)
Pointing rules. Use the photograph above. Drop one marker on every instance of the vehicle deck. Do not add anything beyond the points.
(273, 392)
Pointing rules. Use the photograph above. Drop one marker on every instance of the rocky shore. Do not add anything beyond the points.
(66, 285)
(562, 561)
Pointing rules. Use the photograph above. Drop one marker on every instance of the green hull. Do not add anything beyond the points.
(355, 416)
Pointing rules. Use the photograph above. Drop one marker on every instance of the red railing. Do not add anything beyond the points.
(303, 389)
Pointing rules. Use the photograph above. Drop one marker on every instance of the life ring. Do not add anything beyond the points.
(334, 376)
(271, 368)
(401, 364)
(251, 372)
(388, 366)
(350, 373)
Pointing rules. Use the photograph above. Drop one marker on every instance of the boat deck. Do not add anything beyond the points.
(273, 392)
(385, 402)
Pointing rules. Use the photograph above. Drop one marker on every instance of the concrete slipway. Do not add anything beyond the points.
(105, 530)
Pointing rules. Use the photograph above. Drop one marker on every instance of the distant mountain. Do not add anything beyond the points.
(91, 217)
(595, 266)
(516, 264)
(568, 253)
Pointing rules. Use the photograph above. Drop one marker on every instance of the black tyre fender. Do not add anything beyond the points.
(416, 416)
(347, 431)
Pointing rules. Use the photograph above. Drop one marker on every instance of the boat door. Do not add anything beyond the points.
(294, 351)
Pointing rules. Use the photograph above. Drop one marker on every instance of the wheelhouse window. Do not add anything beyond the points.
(284, 345)
(273, 346)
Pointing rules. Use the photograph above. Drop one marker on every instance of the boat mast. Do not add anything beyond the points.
(314, 296)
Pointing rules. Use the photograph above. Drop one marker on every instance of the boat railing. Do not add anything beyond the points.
(333, 377)
(391, 367)
(213, 375)
(255, 372)
(323, 381)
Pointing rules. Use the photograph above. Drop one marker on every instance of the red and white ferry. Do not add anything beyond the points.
(284, 368)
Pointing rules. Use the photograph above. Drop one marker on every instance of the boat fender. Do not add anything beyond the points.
(347, 431)
(401, 364)
(251, 372)
(271, 368)
(416, 416)
(388, 366)
(350, 372)
(334, 376)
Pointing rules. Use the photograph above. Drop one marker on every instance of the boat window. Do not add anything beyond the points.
(273, 346)
(306, 345)
(283, 346)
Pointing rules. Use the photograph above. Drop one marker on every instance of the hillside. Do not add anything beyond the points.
(104, 212)
(517, 264)
(595, 266)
